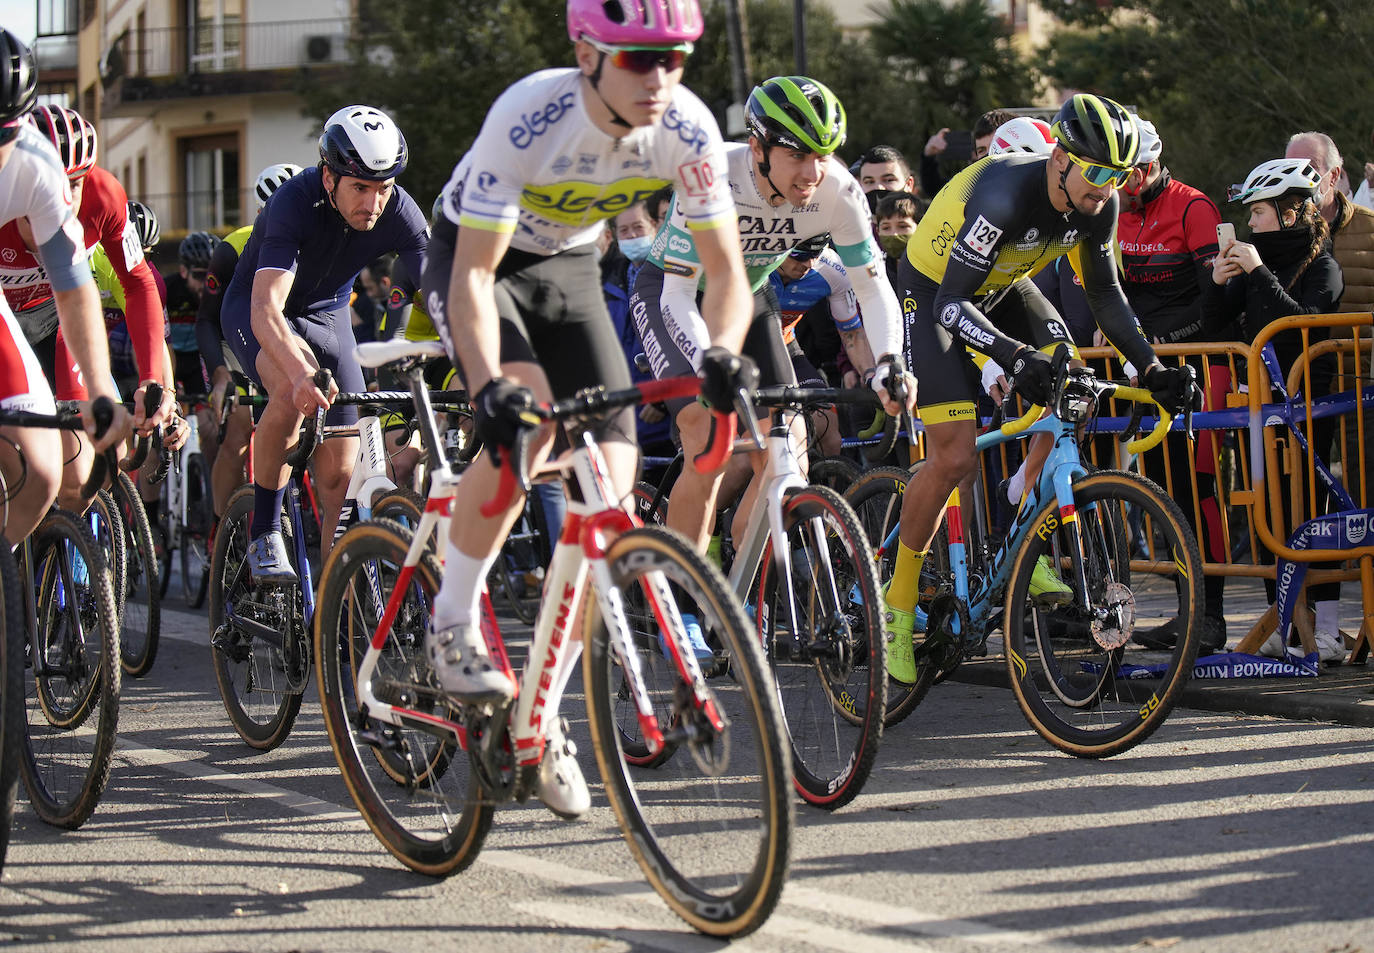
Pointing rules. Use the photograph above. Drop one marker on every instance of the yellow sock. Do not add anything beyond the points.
(906, 579)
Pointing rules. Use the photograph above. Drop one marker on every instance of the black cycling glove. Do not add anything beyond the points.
(1174, 388)
(722, 375)
(497, 411)
(1032, 376)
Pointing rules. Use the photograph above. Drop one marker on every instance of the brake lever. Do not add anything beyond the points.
(744, 409)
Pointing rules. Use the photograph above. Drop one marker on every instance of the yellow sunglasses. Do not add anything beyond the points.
(1100, 175)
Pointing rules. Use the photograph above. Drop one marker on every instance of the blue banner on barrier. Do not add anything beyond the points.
(1234, 665)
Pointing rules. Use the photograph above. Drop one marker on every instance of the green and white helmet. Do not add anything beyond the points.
(796, 112)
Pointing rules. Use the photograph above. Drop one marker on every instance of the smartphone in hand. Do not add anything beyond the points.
(1226, 234)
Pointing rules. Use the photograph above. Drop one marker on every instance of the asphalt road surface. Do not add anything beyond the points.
(1222, 833)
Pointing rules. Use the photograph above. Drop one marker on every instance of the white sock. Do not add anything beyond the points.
(460, 593)
(1016, 486)
(1328, 622)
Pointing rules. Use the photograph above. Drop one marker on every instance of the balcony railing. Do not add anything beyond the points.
(226, 47)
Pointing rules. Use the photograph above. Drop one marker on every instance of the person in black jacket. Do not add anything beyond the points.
(1286, 268)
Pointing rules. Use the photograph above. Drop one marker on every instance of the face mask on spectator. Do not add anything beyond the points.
(636, 249)
(894, 245)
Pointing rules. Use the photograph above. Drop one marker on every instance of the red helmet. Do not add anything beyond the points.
(73, 136)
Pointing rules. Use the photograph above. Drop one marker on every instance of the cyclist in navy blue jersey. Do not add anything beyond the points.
(285, 313)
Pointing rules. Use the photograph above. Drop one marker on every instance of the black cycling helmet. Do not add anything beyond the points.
(363, 142)
(145, 224)
(196, 248)
(18, 78)
(1098, 130)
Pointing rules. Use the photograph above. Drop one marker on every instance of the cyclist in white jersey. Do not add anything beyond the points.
(33, 185)
(788, 187)
(512, 282)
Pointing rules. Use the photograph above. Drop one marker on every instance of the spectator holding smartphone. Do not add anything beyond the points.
(1286, 268)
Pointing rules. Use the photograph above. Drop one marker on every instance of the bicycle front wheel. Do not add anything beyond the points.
(11, 690)
(71, 684)
(1083, 683)
(415, 789)
(253, 674)
(826, 646)
(142, 619)
(711, 825)
(195, 532)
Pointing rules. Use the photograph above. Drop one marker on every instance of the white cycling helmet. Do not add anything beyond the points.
(272, 178)
(363, 142)
(1151, 146)
(1276, 178)
(1022, 134)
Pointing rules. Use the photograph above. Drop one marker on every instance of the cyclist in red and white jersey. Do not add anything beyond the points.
(33, 186)
(513, 285)
(102, 210)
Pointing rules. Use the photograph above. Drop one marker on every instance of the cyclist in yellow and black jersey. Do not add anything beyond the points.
(963, 282)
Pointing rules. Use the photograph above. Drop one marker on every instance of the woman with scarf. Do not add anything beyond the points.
(1285, 269)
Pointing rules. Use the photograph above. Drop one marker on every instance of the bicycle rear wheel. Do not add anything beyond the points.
(711, 824)
(255, 676)
(416, 790)
(11, 690)
(72, 679)
(195, 532)
(832, 678)
(142, 618)
(876, 498)
(1080, 680)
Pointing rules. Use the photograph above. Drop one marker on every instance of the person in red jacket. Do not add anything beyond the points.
(1168, 237)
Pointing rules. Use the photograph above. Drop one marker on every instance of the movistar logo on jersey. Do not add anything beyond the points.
(534, 124)
(582, 203)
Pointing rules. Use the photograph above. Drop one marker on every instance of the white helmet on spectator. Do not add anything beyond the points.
(1022, 134)
(1151, 146)
(1276, 178)
(272, 178)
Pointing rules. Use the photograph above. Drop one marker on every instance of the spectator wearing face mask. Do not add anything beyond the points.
(634, 231)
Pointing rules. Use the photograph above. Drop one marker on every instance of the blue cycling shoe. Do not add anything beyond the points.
(694, 637)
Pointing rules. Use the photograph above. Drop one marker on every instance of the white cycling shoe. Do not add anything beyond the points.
(462, 665)
(561, 785)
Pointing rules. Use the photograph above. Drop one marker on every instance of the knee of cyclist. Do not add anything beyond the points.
(954, 465)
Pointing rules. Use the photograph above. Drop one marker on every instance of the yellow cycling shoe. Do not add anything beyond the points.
(901, 656)
(1046, 588)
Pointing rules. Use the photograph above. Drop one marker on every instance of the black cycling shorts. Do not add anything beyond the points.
(947, 383)
(553, 313)
(329, 334)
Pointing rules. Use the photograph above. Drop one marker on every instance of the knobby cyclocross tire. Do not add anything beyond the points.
(71, 685)
(711, 825)
(832, 680)
(838, 473)
(141, 620)
(1078, 680)
(405, 507)
(251, 673)
(417, 792)
(107, 526)
(11, 690)
(876, 498)
(195, 532)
